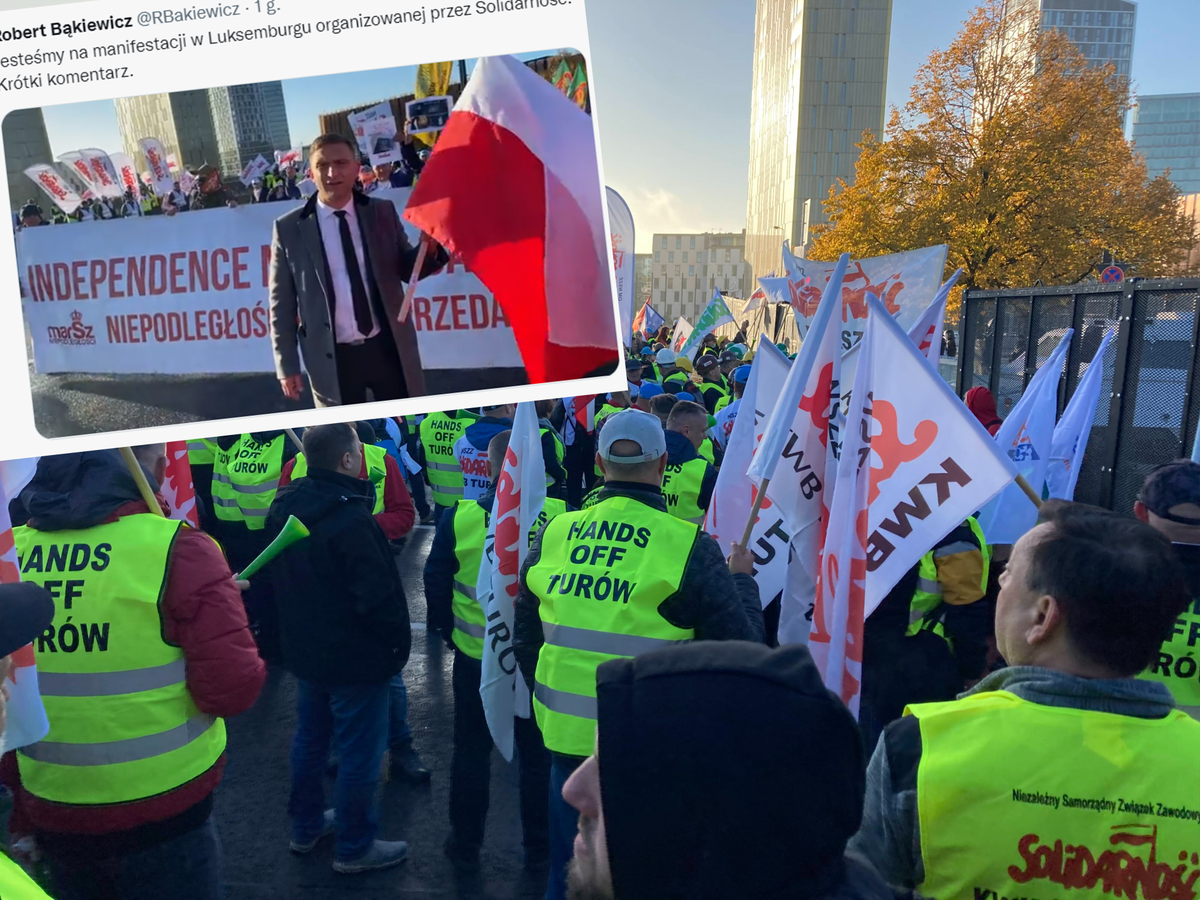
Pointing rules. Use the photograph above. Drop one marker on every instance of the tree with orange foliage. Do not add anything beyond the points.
(1011, 151)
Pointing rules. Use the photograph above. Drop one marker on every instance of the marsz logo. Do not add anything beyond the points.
(76, 334)
(52, 184)
(101, 173)
(1116, 872)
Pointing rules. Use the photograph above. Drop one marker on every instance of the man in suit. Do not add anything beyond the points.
(339, 267)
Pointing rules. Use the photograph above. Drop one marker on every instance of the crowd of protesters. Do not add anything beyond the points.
(1010, 696)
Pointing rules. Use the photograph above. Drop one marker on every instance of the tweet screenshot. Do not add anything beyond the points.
(274, 209)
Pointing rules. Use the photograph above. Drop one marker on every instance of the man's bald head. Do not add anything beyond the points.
(689, 419)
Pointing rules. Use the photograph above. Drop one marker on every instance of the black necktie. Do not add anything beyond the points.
(358, 290)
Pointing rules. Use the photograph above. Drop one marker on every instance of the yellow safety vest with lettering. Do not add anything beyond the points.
(599, 581)
(202, 451)
(376, 471)
(681, 489)
(558, 450)
(605, 411)
(245, 480)
(122, 723)
(924, 611)
(470, 529)
(1179, 661)
(439, 431)
(16, 885)
(1017, 799)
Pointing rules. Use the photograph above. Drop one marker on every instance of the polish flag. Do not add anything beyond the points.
(26, 720)
(580, 416)
(178, 489)
(513, 188)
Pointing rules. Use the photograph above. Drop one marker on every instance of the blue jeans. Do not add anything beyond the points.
(398, 730)
(355, 720)
(564, 825)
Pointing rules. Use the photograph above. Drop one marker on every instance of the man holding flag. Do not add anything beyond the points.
(451, 572)
(669, 581)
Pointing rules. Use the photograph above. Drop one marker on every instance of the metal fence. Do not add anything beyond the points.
(1146, 414)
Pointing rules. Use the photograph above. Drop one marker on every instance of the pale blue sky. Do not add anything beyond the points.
(674, 95)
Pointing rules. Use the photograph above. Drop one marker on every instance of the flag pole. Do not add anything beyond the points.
(758, 502)
(1029, 491)
(135, 469)
(295, 440)
(416, 274)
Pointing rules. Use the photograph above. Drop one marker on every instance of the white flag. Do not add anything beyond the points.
(683, 330)
(733, 495)
(127, 173)
(254, 169)
(187, 181)
(927, 332)
(293, 157)
(621, 221)
(55, 187)
(1072, 431)
(105, 180)
(520, 495)
(161, 179)
(931, 465)
(1027, 436)
(26, 719)
(80, 170)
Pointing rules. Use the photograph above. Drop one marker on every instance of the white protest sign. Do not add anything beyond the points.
(254, 169)
(188, 295)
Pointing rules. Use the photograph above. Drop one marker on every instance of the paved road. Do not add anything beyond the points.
(251, 804)
(65, 405)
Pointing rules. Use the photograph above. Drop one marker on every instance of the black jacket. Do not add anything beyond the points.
(716, 604)
(680, 451)
(342, 611)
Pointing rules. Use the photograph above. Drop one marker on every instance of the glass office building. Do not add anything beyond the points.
(1166, 130)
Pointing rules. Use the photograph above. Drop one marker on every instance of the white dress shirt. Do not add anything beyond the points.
(345, 326)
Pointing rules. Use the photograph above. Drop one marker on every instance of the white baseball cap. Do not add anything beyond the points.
(641, 428)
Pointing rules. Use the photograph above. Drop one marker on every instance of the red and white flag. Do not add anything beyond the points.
(161, 179)
(54, 186)
(513, 188)
(580, 415)
(915, 463)
(520, 495)
(178, 489)
(127, 173)
(26, 718)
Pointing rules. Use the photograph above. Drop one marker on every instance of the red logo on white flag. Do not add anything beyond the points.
(178, 489)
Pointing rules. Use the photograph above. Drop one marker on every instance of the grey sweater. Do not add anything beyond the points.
(890, 836)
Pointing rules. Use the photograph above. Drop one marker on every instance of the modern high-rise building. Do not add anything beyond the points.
(1101, 29)
(240, 114)
(1166, 130)
(687, 268)
(820, 72)
(182, 121)
(277, 121)
(643, 278)
(25, 144)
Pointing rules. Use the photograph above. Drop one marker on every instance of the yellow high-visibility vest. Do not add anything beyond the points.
(376, 471)
(1178, 663)
(122, 723)
(1017, 799)
(16, 885)
(681, 486)
(439, 431)
(599, 581)
(246, 479)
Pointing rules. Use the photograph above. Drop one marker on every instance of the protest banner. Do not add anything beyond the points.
(1027, 437)
(26, 716)
(734, 494)
(1073, 429)
(715, 315)
(358, 124)
(254, 170)
(55, 187)
(884, 518)
(161, 180)
(516, 516)
(126, 172)
(188, 295)
(679, 336)
(620, 220)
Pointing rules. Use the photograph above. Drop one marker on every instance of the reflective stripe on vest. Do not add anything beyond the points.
(15, 884)
(439, 431)
(599, 581)
(1017, 799)
(681, 489)
(470, 530)
(924, 611)
(122, 723)
(375, 458)
(1178, 663)
(246, 479)
(202, 452)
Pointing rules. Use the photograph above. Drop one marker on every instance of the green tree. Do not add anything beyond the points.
(1010, 151)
